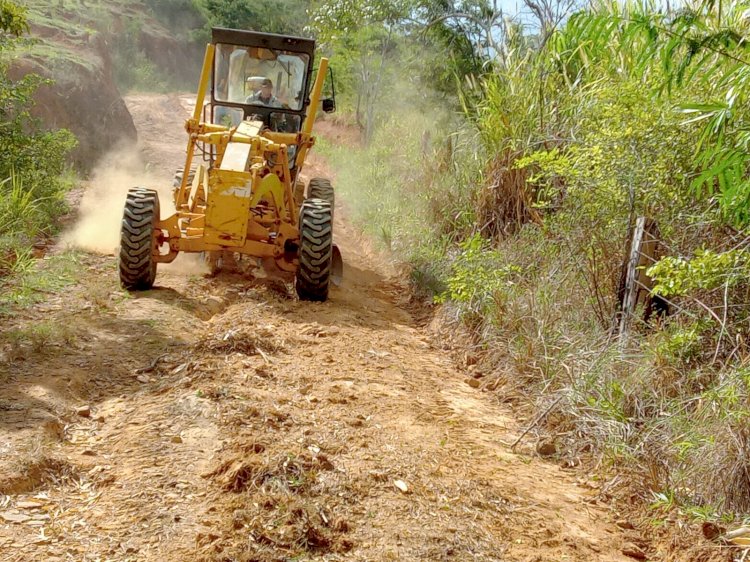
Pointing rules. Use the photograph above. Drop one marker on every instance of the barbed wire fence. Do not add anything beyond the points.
(639, 307)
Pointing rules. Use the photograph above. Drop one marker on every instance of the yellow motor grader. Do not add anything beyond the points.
(240, 192)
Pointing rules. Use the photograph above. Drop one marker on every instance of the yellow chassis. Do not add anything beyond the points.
(245, 202)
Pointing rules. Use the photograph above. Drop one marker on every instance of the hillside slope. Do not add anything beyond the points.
(79, 44)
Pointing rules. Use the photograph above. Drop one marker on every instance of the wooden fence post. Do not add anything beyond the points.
(644, 252)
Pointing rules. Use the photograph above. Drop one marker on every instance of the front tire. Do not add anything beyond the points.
(138, 239)
(315, 250)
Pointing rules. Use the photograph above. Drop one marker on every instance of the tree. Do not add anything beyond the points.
(13, 21)
(363, 35)
(703, 46)
(271, 16)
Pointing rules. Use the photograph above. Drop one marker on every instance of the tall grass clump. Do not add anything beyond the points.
(21, 220)
(403, 184)
(383, 187)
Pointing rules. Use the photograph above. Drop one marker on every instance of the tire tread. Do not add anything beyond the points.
(140, 215)
(315, 251)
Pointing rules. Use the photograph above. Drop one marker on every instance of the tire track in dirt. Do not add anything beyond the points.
(230, 422)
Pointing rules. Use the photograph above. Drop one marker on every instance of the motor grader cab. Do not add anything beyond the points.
(241, 192)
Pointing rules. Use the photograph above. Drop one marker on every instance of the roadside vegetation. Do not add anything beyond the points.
(32, 160)
(514, 202)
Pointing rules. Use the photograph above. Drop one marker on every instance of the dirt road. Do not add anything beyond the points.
(220, 419)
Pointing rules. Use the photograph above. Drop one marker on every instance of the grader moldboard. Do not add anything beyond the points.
(245, 197)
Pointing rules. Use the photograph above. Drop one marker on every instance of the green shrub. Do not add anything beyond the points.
(32, 162)
(477, 276)
(676, 276)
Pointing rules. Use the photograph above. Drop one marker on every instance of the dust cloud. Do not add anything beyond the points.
(100, 214)
(186, 264)
(97, 228)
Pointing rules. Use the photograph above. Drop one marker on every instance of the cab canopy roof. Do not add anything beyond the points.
(267, 40)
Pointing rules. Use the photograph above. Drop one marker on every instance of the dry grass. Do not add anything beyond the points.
(244, 338)
(284, 525)
(505, 202)
(732, 464)
(43, 337)
(35, 470)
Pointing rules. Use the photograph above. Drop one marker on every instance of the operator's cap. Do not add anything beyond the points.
(267, 82)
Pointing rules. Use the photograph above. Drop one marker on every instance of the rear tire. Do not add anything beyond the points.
(321, 188)
(315, 250)
(138, 239)
(177, 181)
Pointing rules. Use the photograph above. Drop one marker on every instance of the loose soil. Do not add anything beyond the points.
(221, 419)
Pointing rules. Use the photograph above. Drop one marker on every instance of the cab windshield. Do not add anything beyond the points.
(260, 76)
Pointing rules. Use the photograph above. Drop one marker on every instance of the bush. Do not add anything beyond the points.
(32, 163)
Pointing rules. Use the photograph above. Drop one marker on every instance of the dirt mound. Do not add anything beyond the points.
(35, 473)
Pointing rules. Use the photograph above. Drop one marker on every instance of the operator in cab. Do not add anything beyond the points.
(264, 96)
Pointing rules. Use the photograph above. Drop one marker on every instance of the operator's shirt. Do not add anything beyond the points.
(256, 99)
